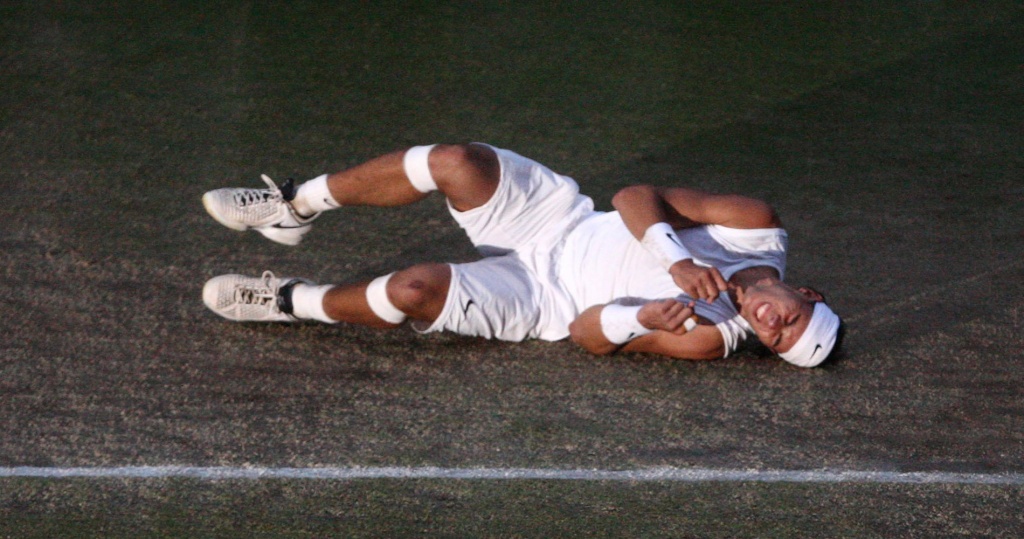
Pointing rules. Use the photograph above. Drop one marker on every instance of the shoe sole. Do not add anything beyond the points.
(291, 236)
(208, 203)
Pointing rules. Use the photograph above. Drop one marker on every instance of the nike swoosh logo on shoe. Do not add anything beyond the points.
(279, 225)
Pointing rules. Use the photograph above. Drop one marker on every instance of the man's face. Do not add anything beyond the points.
(778, 313)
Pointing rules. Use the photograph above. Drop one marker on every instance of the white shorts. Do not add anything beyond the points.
(513, 293)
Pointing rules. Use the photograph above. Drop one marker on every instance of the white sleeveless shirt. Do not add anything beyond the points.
(601, 262)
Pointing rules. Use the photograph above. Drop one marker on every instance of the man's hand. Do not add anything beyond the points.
(698, 281)
(665, 314)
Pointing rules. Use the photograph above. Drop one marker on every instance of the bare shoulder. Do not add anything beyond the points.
(739, 211)
(731, 210)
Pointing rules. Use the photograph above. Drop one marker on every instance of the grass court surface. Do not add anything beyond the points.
(886, 134)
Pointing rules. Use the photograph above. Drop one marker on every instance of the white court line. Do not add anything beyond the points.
(663, 474)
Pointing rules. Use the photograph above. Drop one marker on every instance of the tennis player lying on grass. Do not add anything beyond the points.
(673, 271)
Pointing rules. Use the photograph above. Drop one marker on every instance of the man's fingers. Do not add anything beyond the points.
(710, 290)
(670, 308)
(709, 283)
(720, 281)
(676, 315)
(689, 312)
(667, 315)
(705, 291)
(717, 283)
(666, 311)
(679, 320)
(701, 282)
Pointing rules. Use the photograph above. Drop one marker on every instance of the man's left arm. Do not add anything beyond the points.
(657, 327)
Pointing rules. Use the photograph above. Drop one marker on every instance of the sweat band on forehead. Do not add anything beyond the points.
(818, 339)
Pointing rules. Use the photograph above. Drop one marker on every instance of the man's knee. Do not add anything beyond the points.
(449, 162)
(420, 291)
(467, 174)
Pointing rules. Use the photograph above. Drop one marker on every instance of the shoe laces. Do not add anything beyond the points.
(249, 197)
(258, 295)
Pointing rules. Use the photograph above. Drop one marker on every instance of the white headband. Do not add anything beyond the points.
(818, 339)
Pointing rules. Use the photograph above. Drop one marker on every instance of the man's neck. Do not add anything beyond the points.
(741, 280)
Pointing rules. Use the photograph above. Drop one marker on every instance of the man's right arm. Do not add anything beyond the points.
(652, 213)
(644, 205)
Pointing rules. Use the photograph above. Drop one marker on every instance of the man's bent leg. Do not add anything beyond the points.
(381, 181)
(466, 174)
(418, 292)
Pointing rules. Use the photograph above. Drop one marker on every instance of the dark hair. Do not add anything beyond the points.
(837, 349)
(818, 292)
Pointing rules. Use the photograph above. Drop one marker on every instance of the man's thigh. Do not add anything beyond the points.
(495, 298)
(532, 207)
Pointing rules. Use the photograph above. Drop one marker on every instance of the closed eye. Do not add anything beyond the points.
(790, 323)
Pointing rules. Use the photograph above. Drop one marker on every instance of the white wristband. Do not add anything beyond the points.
(620, 325)
(662, 242)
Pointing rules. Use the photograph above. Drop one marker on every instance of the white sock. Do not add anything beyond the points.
(308, 302)
(314, 196)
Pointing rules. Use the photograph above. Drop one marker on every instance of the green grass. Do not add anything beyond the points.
(420, 508)
(890, 125)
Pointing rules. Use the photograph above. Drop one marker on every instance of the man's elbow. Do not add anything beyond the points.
(629, 195)
(583, 336)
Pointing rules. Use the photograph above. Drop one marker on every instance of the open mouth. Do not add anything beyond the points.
(760, 312)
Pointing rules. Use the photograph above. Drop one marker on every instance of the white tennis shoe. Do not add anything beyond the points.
(251, 299)
(268, 211)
